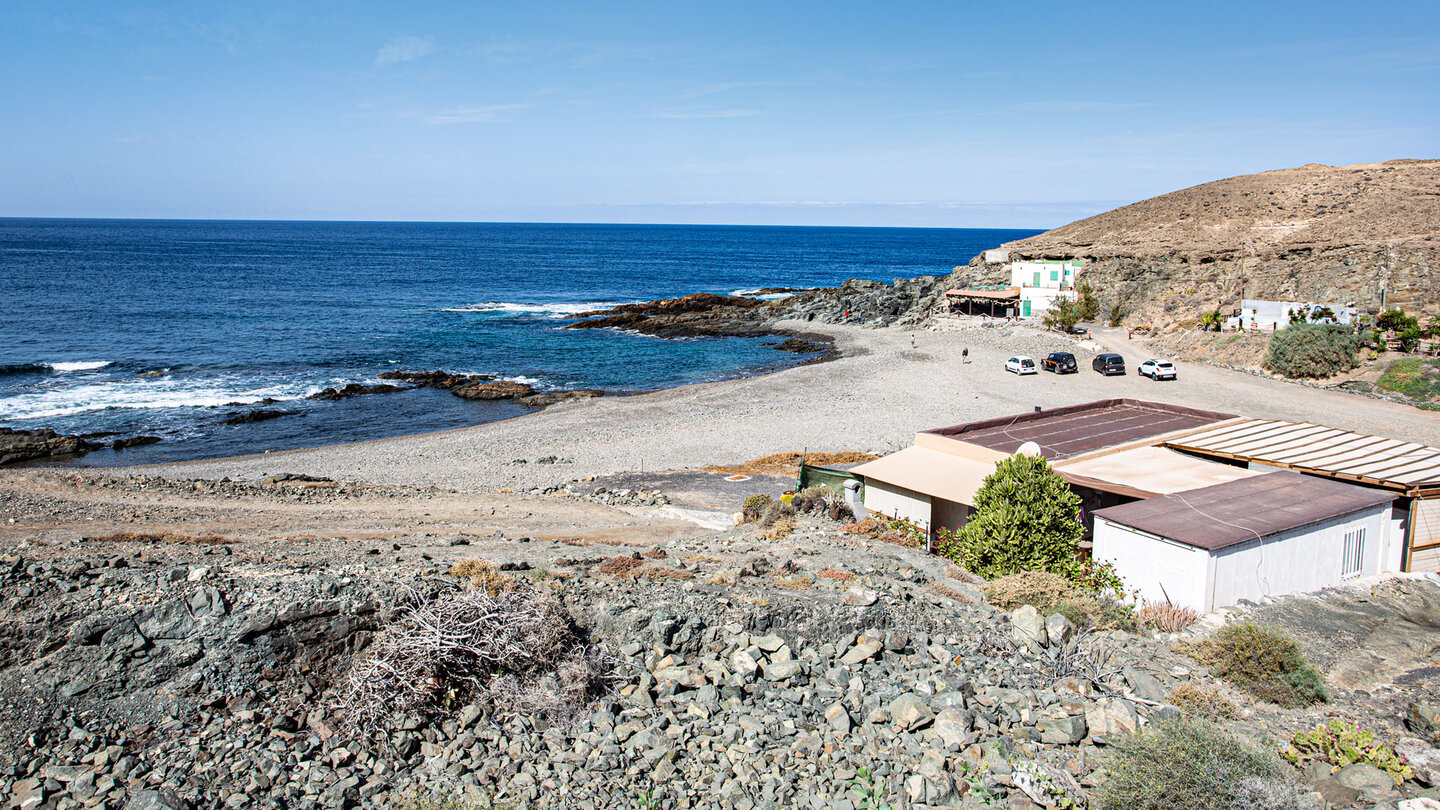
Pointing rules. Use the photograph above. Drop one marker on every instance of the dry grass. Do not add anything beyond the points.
(758, 601)
(941, 589)
(620, 566)
(869, 527)
(1039, 588)
(835, 574)
(1206, 702)
(1166, 618)
(163, 537)
(657, 571)
(780, 529)
(794, 583)
(655, 554)
(725, 578)
(959, 574)
(789, 463)
(483, 575)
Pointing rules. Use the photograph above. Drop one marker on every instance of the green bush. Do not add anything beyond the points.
(1089, 308)
(1265, 662)
(1062, 315)
(755, 506)
(1026, 518)
(1190, 764)
(1395, 320)
(1312, 351)
(775, 511)
(1338, 745)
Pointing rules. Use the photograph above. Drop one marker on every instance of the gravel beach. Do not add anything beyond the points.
(874, 397)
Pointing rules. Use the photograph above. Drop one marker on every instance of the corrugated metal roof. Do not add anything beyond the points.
(1392, 463)
(1248, 509)
(1077, 429)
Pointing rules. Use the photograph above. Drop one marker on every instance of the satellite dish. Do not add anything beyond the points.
(1028, 449)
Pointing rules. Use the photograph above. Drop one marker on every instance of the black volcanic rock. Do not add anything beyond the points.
(31, 445)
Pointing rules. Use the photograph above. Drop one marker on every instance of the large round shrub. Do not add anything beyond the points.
(1026, 518)
(1312, 350)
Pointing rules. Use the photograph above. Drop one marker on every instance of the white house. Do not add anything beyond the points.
(1043, 282)
(1282, 532)
(1270, 315)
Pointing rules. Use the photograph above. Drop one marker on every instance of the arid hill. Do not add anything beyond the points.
(1366, 235)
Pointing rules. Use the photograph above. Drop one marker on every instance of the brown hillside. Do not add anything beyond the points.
(1349, 235)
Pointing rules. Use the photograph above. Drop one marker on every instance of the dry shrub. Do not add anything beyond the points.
(941, 589)
(657, 571)
(1166, 618)
(869, 527)
(835, 574)
(758, 601)
(794, 584)
(1207, 702)
(163, 537)
(622, 566)
(1052, 593)
(483, 575)
(959, 574)
(655, 553)
(516, 652)
(726, 578)
(821, 501)
(754, 507)
(780, 529)
(776, 511)
(789, 463)
(1039, 588)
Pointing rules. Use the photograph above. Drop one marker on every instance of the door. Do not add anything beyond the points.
(1024, 309)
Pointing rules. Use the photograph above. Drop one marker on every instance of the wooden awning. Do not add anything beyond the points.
(1003, 294)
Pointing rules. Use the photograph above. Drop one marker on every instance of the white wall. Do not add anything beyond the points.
(948, 514)
(1300, 560)
(893, 501)
(1157, 568)
(1022, 274)
(1041, 299)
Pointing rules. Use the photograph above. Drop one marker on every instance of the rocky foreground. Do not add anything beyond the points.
(824, 669)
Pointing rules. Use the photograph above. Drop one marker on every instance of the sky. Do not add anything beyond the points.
(955, 114)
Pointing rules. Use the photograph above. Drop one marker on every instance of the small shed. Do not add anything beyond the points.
(1271, 534)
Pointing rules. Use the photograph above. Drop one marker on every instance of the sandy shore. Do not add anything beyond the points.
(874, 398)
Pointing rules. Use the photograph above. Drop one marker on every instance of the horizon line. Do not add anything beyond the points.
(299, 220)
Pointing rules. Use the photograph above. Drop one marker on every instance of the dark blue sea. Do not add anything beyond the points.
(168, 328)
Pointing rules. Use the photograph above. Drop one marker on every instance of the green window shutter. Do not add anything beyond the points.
(1054, 275)
(1036, 284)
(1025, 306)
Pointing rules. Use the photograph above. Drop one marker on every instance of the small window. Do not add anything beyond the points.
(1353, 555)
(1054, 275)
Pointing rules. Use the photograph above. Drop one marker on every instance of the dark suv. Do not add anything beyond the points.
(1108, 364)
(1060, 363)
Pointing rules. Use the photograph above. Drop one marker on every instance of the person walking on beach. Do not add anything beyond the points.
(965, 355)
(912, 341)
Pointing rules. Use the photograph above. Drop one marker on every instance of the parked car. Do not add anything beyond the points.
(1060, 363)
(1108, 364)
(1021, 365)
(1157, 369)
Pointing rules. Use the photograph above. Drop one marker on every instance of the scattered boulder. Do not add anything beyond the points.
(33, 445)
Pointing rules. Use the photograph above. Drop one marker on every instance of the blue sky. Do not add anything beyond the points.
(1019, 114)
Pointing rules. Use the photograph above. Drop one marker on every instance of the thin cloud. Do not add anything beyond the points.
(404, 49)
(688, 114)
(472, 114)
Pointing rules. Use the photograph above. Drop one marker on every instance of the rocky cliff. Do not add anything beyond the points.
(1366, 235)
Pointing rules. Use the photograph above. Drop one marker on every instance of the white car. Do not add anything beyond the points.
(1158, 369)
(1021, 365)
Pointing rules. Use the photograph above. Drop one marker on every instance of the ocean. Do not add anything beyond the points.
(170, 328)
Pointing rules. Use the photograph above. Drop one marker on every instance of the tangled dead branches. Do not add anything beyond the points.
(513, 652)
(1074, 659)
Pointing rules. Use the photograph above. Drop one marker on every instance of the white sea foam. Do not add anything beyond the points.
(762, 296)
(553, 310)
(131, 395)
(82, 365)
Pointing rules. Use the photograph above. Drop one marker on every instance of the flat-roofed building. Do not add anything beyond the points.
(1264, 535)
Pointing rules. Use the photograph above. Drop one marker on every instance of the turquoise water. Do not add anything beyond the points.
(168, 328)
